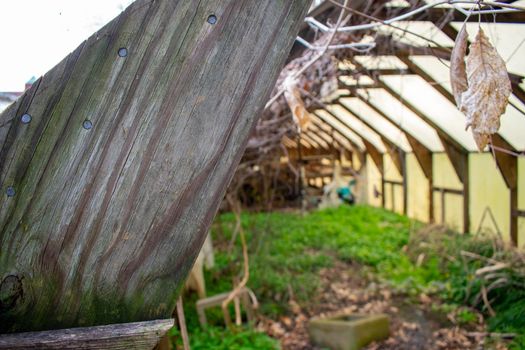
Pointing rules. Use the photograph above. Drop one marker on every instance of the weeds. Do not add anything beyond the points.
(287, 251)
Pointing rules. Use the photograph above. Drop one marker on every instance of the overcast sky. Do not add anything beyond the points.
(36, 34)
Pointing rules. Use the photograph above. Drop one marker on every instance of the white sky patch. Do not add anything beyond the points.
(37, 34)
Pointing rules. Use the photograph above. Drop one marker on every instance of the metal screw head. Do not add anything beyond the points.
(10, 191)
(122, 52)
(212, 19)
(87, 124)
(26, 118)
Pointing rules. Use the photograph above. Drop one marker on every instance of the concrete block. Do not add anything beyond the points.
(348, 332)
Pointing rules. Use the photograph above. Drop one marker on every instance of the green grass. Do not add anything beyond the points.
(287, 251)
(218, 338)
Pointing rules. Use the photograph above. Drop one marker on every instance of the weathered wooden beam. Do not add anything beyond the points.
(124, 336)
(114, 163)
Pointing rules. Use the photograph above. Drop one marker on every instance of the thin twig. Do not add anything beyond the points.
(235, 292)
(313, 60)
(182, 324)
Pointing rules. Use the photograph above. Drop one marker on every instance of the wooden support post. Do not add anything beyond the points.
(112, 165)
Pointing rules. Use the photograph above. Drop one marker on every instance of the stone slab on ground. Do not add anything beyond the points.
(350, 331)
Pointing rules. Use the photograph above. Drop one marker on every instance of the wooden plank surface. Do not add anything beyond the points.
(124, 336)
(107, 193)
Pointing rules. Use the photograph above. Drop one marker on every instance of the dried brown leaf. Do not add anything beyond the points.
(458, 72)
(488, 91)
(295, 102)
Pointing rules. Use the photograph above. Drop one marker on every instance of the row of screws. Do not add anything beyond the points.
(26, 119)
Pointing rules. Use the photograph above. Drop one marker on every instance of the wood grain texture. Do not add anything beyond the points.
(124, 336)
(101, 225)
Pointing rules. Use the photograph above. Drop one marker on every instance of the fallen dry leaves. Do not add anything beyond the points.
(413, 324)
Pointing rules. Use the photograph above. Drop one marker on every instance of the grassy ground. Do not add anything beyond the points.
(288, 251)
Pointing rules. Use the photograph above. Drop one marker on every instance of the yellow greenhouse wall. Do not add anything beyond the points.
(521, 233)
(391, 173)
(417, 190)
(395, 205)
(443, 172)
(444, 176)
(488, 193)
(356, 163)
(373, 178)
(521, 201)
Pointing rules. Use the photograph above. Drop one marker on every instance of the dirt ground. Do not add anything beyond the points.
(414, 322)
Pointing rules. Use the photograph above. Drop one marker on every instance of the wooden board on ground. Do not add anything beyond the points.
(124, 336)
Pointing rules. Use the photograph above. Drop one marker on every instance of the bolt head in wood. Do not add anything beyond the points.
(10, 191)
(87, 124)
(212, 19)
(122, 52)
(25, 118)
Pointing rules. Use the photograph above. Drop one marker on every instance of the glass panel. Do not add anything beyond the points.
(403, 118)
(377, 122)
(513, 128)
(435, 107)
(358, 126)
(508, 38)
(512, 121)
(438, 69)
(426, 29)
(336, 124)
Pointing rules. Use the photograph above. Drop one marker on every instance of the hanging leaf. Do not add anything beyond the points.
(292, 95)
(458, 74)
(488, 90)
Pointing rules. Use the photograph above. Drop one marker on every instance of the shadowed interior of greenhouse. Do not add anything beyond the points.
(363, 193)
